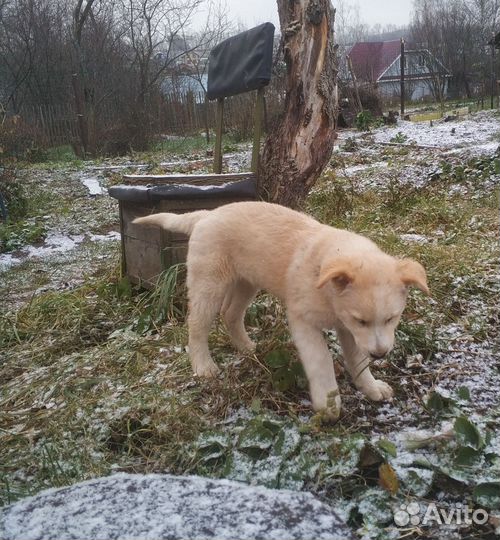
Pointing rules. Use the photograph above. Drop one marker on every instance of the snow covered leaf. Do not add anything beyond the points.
(244, 468)
(467, 456)
(388, 447)
(374, 504)
(487, 495)
(345, 455)
(418, 481)
(256, 440)
(211, 446)
(297, 470)
(425, 438)
(438, 403)
(287, 441)
(463, 393)
(467, 433)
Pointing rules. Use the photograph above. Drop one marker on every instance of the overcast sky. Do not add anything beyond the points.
(252, 12)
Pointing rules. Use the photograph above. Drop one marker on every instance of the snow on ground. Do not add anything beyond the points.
(473, 131)
(53, 244)
(466, 362)
(93, 185)
(160, 507)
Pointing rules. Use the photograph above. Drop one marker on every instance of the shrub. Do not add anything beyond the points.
(20, 140)
(13, 194)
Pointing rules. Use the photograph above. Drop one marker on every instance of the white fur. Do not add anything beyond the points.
(327, 278)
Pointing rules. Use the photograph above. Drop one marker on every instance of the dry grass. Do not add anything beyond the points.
(96, 379)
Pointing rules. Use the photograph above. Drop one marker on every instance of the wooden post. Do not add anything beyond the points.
(402, 65)
(218, 136)
(206, 105)
(80, 112)
(123, 259)
(257, 129)
(493, 78)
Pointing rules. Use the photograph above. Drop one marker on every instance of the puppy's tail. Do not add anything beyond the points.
(182, 223)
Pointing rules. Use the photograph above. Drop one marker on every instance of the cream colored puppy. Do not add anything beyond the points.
(327, 278)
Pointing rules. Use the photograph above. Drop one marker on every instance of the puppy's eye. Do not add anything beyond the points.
(389, 320)
(361, 322)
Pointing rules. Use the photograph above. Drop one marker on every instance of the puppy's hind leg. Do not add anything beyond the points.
(233, 311)
(205, 301)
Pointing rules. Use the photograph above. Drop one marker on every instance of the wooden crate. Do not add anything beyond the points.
(146, 251)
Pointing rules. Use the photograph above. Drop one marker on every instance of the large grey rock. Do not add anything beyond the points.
(161, 507)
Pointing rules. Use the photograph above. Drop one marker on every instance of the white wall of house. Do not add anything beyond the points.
(419, 66)
(421, 88)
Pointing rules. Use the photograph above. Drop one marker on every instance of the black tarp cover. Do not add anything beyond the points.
(150, 194)
(241, 63)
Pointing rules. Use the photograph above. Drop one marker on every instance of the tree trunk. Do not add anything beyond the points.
(300, 144)
(83, 88)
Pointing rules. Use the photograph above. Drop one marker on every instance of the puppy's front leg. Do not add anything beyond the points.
(357, 364)
(318, 365)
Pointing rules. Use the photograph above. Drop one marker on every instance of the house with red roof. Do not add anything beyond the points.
(379, 64)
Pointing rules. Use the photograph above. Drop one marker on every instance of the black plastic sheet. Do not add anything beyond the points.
(241, 63)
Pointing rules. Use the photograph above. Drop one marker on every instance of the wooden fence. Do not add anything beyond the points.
(52, 125)
(180, 113)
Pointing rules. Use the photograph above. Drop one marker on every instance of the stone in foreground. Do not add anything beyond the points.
(165, 507)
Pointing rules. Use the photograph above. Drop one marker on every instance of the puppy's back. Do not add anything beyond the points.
(256, 240)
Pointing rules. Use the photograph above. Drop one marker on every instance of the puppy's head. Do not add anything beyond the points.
(369, 295)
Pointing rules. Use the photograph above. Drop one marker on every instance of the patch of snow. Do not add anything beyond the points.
(156, 507)
(113, 235)
(93, 185)
(55, 243)
(417, 238)
(349, 171)
(473, 131)
(476, 150)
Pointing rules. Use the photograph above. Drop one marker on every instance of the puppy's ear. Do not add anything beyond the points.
(340, 272)
(413, 274)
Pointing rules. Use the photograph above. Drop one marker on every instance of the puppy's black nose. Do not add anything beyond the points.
(378, 356)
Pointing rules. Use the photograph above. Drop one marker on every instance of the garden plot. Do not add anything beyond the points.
(96, 378)
(479, 131)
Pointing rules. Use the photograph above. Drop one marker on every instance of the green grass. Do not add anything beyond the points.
(97, 379)
(64, 154)
(15, 235)
(194, 145)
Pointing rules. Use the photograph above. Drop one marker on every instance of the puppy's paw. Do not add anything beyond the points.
(245, 346)
(329, 412)
(207, 370)
(380, 391)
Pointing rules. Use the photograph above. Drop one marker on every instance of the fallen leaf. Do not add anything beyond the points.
(387, 478)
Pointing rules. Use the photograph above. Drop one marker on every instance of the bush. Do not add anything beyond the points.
(13, 194)
(131, 133)
(364, 120)
(16, 231)
(17, 234)
(20, 140)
